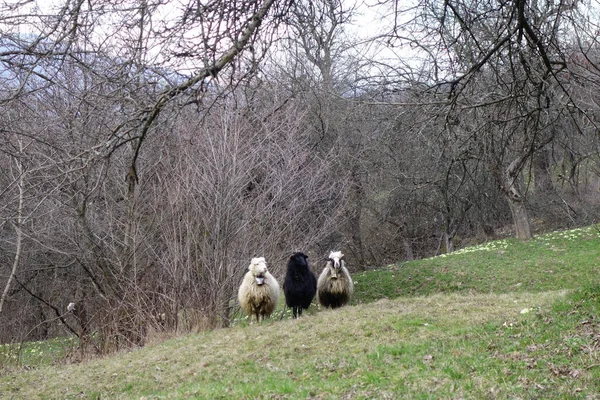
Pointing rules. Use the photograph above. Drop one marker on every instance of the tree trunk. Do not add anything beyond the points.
(516, 201)
(224, 308)
(18, 225)
(448, 242)
(507, 179)
(541, 173)
(355, 220)
(520, 218)
(408, 249)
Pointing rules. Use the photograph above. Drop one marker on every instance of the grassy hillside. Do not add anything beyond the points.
(565, 260)
(506, 320)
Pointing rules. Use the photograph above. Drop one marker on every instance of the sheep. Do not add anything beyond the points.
(335, 286)
(259, 292)
(300, 284)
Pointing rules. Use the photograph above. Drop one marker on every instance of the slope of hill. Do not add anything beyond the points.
(506, 320)
(558, 260)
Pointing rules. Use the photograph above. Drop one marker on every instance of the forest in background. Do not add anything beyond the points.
(151, 148)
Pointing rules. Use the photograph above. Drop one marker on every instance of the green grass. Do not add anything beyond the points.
(557, 260)
(36, 353)
(507, 320)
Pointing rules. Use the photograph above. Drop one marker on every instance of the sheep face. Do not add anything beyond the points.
(335, 262)
(300, 260)
(258, 268)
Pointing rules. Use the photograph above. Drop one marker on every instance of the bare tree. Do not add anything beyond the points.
(242, 185)
(501, 68)
(105, 76)
(18, 177)
(325, 66)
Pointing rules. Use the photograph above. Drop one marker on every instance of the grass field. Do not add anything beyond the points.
(505, 320)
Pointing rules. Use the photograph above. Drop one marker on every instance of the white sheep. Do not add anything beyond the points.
(335, 286)
(259, 291)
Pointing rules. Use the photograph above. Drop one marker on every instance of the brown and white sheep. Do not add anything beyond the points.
(335, 286)
(259, 291)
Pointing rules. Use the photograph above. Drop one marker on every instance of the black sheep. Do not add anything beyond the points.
(300, 285)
